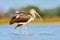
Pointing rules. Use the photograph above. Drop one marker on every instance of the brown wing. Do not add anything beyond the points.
(21, 18)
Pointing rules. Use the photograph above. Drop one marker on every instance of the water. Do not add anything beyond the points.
(36, 32)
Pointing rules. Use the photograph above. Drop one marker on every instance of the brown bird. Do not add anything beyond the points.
(22, 18)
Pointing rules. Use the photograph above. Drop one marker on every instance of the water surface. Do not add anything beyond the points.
(36, 32)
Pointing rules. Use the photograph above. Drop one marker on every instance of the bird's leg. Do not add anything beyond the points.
(18, 25)
(25, 29)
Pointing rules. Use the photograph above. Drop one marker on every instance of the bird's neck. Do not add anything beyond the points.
(33, 15)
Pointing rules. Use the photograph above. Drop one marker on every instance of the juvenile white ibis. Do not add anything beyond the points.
(22, 18)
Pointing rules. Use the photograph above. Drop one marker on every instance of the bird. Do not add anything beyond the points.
(22, 18)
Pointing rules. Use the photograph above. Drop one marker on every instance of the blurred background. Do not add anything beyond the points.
(48, 9)
(48, 29)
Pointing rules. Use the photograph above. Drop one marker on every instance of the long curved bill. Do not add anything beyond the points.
(39, 16)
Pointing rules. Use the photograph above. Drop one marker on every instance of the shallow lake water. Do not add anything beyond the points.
(35, 32)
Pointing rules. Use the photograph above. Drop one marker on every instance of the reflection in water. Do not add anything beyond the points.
(46, 34)
(14, 36)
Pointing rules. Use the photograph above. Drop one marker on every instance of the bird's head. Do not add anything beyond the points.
(33, 11)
